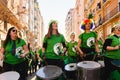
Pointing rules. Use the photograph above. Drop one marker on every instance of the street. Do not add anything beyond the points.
(32, 77)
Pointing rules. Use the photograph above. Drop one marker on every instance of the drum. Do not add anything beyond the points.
(10, 75)
(116, 63)
(49, 72)
(115, 75)
(88, 70)
(71, 71)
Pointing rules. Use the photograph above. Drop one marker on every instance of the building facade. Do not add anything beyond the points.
(69, 24)
(38, 26)
(106, 13)
(10, 11)
(74, 18)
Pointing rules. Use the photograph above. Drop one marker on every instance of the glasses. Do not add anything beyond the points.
(14, 30)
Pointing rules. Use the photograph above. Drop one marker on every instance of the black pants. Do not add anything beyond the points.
(57, 62)
(109, 67)
(90, 53)
(21, 68)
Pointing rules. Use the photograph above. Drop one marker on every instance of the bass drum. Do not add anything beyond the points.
(88, 70)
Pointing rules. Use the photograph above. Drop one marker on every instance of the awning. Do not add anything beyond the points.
(5, 13)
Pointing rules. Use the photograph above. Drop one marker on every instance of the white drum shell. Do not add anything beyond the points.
(88, 70)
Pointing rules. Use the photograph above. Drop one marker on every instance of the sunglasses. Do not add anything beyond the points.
(14, 30)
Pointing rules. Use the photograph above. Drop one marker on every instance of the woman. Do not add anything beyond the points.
(13, 52)
(52, 45)
(72, 49)
(112, 51)
(87, 43)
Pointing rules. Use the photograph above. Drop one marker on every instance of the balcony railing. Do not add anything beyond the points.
(111, 13)
(98, 6)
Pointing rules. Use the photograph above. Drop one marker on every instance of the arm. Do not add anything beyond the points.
(96, 46)
(2, 53)
(78, 47)
(26, 51)
(107, 45)
(38, 56)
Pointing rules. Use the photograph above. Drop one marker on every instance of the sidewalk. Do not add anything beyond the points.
(32, 77)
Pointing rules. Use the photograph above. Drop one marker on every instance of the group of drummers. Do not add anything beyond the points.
(78, 60)
(56, 51)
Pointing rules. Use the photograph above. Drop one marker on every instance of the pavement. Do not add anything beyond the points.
(32, 76)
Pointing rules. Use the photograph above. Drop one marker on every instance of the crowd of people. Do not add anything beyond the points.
(18, 56)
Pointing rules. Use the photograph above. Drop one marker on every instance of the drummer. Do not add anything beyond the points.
(112, 50)
(72, 49)
(51, 39)
(88, 43)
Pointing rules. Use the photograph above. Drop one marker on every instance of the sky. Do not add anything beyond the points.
(56, 10)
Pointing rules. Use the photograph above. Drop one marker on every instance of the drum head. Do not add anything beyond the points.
(11, 75)
(116, 63)
(71, 67)
(89, 65)
(49, 72)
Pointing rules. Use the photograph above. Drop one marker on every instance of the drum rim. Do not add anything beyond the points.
(89, 68)
(114, 63)
(9, 72)
(41, 77)
(74, 64)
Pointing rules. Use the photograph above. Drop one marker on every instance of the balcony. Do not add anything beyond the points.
(98, 6)
(98, 23)
(111, 14)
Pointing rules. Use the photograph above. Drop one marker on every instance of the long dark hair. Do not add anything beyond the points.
(8, 38)
(48, 35)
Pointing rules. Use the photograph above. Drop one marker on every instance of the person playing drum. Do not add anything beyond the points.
(88, 43)
(54, 46)
(72, 49)
(13, 53)
(111, 48)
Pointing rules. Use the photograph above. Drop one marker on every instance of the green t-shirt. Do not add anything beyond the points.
(72, 46)
(51, 43)
(14, 59)
(40, 52)
(114, 54)
(88, 39)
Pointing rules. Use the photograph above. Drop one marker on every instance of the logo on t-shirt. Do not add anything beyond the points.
(58, 48)
(90, 41)
(19, 50)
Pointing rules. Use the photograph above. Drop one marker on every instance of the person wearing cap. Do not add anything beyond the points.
(72, 49)
(111, 49)
(88, 43)
(52, 46)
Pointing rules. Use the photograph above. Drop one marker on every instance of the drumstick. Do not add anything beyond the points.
(94, 57)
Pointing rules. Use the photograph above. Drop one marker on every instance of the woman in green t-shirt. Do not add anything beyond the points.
(88, 43)
(111, 48)
(54, 45)
(13, 52)
(72, 49)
